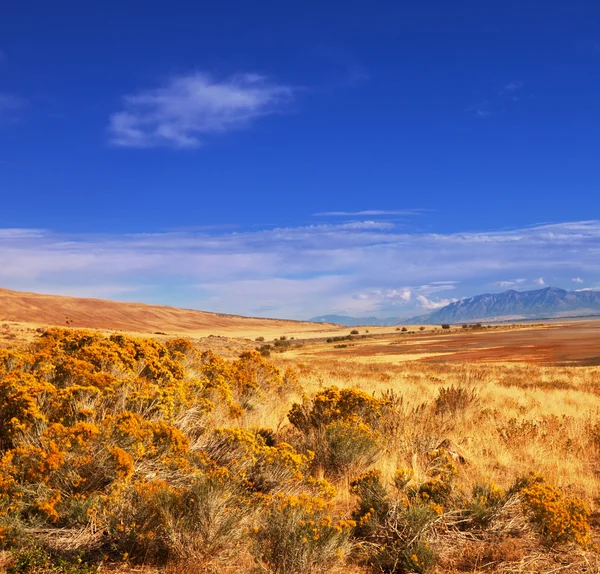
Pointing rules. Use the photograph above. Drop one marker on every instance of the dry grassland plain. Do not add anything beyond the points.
(467, 412)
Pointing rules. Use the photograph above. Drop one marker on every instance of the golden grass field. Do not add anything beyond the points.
(534, 406)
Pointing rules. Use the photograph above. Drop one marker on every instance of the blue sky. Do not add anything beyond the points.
(294, 159)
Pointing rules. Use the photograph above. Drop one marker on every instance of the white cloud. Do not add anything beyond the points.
(481, 110)
(577, 280)
(402, 295)
(430, 304)
(360, 267)
(509, 284)
(9, 104)
(539, 281)
(17, 233)
(369, 213)
(512, 86)
(188, 107)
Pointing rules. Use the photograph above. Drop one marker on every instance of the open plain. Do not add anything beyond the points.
(483, 441)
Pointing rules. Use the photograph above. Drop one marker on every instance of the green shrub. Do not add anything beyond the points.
(486, 499)
(298, 536)
(201, 519)
(338, 339)
(391, 530)
(340, 427)
(348, 447)
(34, 560)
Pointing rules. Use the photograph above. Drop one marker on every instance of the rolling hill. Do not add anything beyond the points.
(55, 310)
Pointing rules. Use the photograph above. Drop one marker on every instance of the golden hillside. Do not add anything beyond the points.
(55, 310)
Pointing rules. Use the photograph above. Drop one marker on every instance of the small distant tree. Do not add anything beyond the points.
(259, 339)
(445, 326)
(404, 329)
(421, 328)
(354, 332)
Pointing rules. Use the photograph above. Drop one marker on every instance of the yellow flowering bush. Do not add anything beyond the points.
(560, 519)
(262, 468)
(83, 415)
(298, 535)
(332, 405)
(203, 517)
(340, 427)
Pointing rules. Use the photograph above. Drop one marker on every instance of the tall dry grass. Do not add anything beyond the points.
(525, 416)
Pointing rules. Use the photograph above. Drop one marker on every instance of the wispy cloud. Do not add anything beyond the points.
(481, 110)
(182, 112)
(577, 280)
(430, 304)
(496, 104)
(509, 284)
(9, 106)
(369, 213)
(539, 281)
(362, 267)
(511, 87)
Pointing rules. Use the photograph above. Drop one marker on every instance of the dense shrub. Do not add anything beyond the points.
(340, 427)
(486, 499)
(392, 527)
(85, 420)
(560, 519)
(297, 535)
(331, 405)
(201, 519)
(35, 560)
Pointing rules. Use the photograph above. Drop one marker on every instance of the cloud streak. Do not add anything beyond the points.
(370, 213)
(9, 105)
(188, 108)
(362, 267)
(511, 87)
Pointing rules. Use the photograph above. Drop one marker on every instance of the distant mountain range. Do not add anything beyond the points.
(550, 302)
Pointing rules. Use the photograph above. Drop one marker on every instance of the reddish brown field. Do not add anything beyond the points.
(574, 343)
